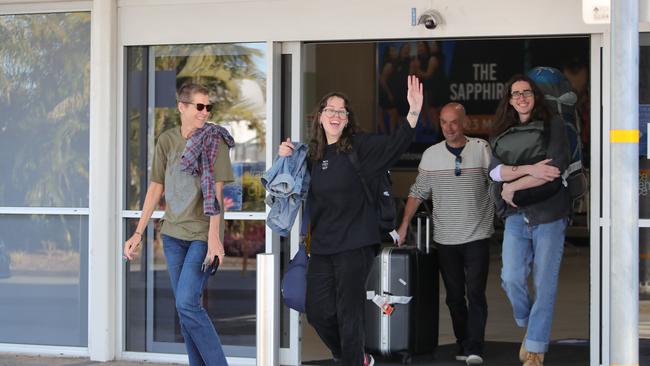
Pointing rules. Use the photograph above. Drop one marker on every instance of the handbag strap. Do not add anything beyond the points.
(304, 221)
(354, 159)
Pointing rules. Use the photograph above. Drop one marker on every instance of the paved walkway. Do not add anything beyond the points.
(7, 359)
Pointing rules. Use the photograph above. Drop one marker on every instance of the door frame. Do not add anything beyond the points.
(293, 354)
(598, 211)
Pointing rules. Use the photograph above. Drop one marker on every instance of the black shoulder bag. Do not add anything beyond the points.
(382, 199)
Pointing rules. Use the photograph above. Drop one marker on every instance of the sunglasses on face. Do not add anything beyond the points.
(200, 106)
(459, 160)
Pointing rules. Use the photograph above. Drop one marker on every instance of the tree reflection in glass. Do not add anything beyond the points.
(44, 98)
(235, 75)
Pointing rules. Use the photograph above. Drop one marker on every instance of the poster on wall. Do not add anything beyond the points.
(470, 72)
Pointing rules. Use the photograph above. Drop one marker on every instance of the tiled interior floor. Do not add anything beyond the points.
(571, 319)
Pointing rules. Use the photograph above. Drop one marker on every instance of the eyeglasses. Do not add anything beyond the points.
(200, 106)
(329, 112)
(524, 93)
(459, 160)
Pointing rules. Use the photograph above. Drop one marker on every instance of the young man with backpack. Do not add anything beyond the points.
(454, 175)
(534, 233)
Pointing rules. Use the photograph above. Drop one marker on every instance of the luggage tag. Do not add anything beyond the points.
(395, 236)
(386, 301)
(383, 304)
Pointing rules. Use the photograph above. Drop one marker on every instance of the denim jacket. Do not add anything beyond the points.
(287, 182)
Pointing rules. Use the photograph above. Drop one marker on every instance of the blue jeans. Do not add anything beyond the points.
(184, 259)
(542, 246)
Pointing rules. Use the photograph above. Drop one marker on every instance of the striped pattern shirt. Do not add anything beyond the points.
(463, 210)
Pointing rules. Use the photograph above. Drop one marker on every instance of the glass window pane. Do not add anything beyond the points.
(136, 292)
(235, 74)
(44, 280)
(246, 193)
(230, 297)
(44, 99)
(136, 128)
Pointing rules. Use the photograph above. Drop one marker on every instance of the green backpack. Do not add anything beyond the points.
(524, 144)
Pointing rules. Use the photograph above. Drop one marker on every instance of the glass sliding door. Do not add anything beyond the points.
(235, 74)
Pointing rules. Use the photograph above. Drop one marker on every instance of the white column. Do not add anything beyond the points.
(268, 310)
(624, 178)
(103, 186)
(268, 264)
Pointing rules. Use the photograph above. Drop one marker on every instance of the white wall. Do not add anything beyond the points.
(197, 21)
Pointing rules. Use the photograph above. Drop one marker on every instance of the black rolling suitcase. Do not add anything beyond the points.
(402, 307)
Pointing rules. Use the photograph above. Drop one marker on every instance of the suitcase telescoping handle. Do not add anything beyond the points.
(423, 217)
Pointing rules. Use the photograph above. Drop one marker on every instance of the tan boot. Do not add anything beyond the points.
(523, 353)
(534, 359)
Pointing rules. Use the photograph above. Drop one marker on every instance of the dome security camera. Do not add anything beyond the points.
(431, 19)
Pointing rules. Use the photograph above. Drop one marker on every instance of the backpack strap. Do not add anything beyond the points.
(572, 168)
(546, 133)
(354, 159)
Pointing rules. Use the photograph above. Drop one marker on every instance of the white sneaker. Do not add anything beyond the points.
(474, 360)
(460, 355)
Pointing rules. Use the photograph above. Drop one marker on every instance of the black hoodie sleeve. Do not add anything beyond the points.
(377, 153)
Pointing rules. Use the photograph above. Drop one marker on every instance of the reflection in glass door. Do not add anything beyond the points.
(236, 77)
(44, 190)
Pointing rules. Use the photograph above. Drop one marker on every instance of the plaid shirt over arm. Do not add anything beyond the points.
(199, 157)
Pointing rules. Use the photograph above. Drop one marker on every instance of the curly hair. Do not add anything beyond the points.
(318, 140)
(506, 116)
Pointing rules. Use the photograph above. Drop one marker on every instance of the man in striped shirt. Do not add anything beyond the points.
(453, 174)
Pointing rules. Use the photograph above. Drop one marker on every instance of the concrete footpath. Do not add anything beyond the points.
(8, 359)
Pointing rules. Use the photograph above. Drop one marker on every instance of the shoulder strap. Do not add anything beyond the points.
(304, 227)
(546, 134)
(354, 159)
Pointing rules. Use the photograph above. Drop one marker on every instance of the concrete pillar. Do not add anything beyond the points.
(103, 171)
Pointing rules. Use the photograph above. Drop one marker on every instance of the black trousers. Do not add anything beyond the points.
(462, 267)
(336, 296)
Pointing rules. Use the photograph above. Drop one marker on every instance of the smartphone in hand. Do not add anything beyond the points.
(212, 268)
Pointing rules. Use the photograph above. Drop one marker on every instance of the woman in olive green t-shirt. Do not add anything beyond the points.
(190, 238)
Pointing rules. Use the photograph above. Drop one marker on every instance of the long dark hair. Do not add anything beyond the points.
(506, 115)
(318, 141)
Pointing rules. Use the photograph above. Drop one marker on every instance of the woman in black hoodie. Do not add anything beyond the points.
(344, 225)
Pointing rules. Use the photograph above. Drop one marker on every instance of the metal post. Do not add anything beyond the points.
(624, 145)
(268, 314)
